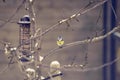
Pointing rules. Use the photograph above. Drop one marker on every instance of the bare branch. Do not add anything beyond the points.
(87, 41)
(74, 16)
(91, 69)
(3, 70)
(9, 21)
(69, 18)
(17, 10)
(79, 69)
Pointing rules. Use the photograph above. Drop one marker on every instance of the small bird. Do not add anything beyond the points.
(60, 41)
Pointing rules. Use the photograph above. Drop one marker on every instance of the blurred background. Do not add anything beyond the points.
(48, 13)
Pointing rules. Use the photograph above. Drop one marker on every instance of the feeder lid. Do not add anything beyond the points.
(25, 20)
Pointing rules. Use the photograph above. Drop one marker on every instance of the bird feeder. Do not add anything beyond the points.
(24, 33)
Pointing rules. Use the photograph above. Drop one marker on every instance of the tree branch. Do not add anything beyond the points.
(53, 27)
(86, 41)
(79, 69)
(68, 19)
(17, 10)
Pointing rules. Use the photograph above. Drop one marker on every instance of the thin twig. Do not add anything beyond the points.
(114, 11)
(10, 18)
(86, 41)
(69, 18)
(9, 21)
(84, 69)
(3, 70)
(74, 16)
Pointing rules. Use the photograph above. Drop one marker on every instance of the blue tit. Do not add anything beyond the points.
(60, 41)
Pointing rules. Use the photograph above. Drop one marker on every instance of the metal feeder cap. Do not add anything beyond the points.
(25, 20)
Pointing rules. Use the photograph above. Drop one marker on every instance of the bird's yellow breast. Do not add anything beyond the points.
(60, 43)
